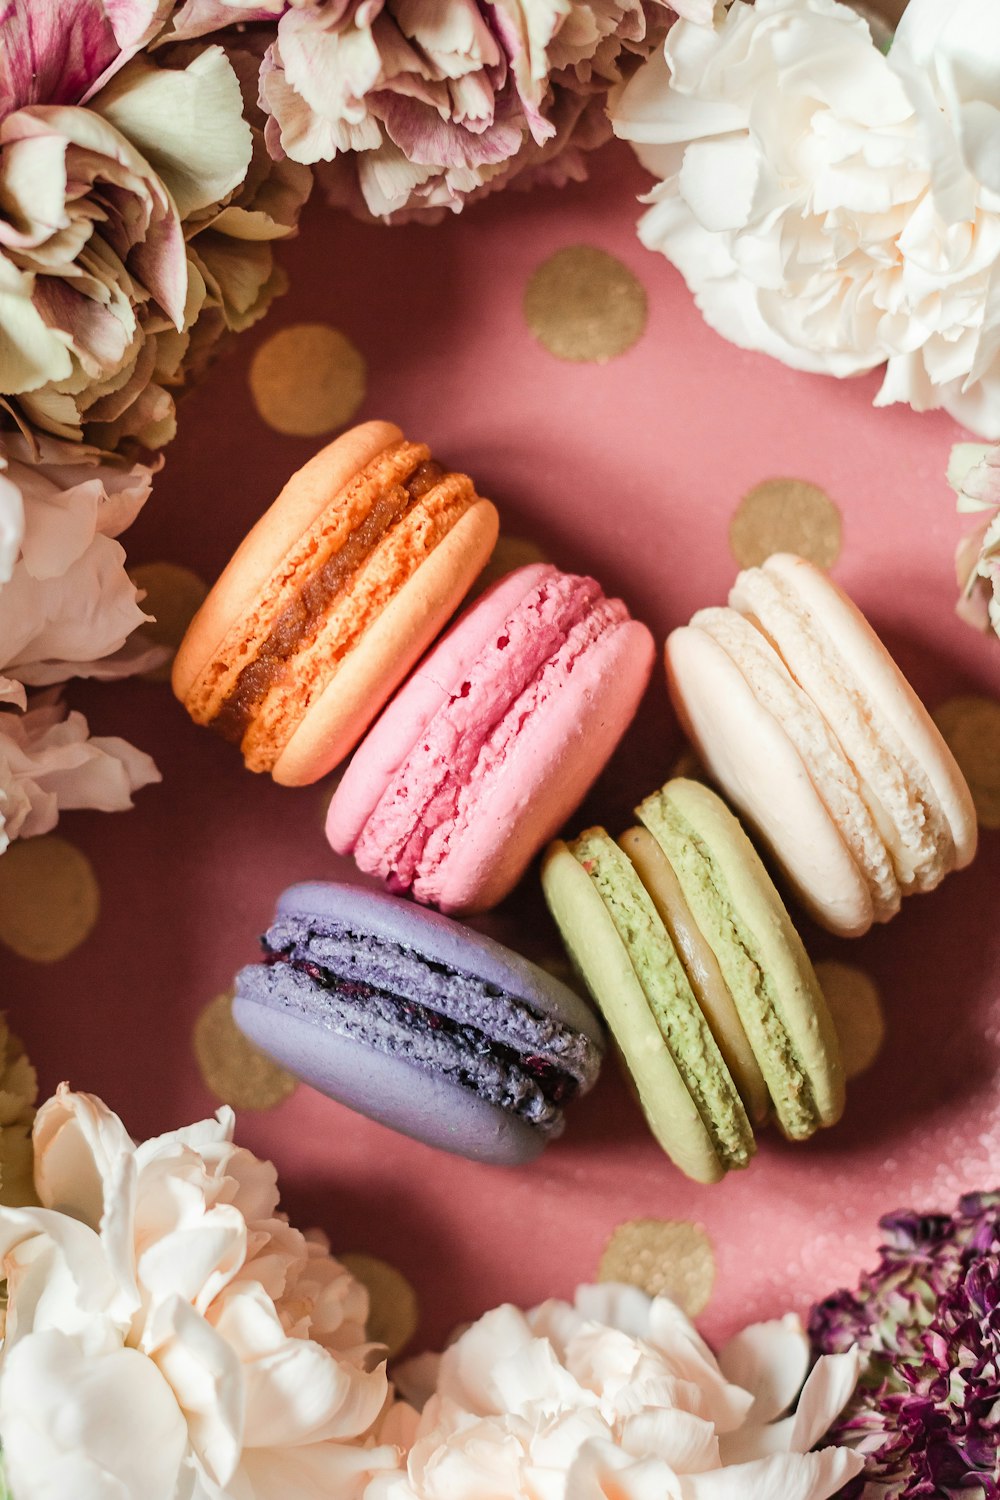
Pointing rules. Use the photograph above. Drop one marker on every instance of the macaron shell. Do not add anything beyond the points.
(887, 688)
(308, 492)
(390, 741)
(780, 953)
(388, 649)
(386, 1088)
(553, 762)
(751, 757)
(602, 960)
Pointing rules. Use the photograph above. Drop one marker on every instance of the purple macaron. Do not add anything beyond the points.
(418, 1022)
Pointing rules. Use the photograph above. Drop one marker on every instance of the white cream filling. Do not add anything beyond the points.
(897, 791)
(830, 771)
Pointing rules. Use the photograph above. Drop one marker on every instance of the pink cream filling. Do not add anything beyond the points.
(464, 745)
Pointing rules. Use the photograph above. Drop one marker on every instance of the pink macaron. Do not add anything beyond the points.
(494, 740)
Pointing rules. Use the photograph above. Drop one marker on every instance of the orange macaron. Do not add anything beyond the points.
(330, 600)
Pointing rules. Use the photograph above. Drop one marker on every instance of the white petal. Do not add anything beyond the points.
(830, 1386)
(771, 1361)
(787, 1476)
(93, 1429)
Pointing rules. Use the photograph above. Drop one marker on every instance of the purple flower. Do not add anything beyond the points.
(926, 1413)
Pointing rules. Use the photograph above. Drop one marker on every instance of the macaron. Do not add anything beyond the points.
(423, 1025)
(494, 741)
(686, 947)
(804, 720)
(330, 599)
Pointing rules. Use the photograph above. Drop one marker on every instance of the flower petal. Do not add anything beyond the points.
(771, 1361)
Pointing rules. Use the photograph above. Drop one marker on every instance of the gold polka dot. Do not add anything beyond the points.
(664, 1257)
(785, 515)
(583, 304)
(509, 554)
(49, 898)
(394, 1314)
(971, 727)
(856, 1008)
(173, 595)
(307, 379)
(234, 1069)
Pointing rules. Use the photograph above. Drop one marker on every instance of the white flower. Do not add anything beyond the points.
(974, 474)
(50, 763)
(618, 1395)
(67, 605)
(169, 1335)
(829, 205)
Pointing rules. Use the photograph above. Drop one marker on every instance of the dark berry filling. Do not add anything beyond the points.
(556, 1086)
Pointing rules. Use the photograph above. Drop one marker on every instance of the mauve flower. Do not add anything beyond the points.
(974, 474)
(831, 206)
(419, 107)
(926, 1415)
(617, 1395)
(61, 51)
(137, 232)
(100, 293)
(169, 1335)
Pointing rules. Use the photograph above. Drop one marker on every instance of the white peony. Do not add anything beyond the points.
(168, 1334)
(831, 206)
(67, 608)
(50, 763)
(617, 1395)
(974, 475)
(67, 605)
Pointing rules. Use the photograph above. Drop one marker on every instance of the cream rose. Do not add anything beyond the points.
(168, 1334)
(831, 206)
(974, 474)
(618, 1395)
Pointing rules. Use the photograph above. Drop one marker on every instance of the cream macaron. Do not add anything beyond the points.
(803, 718)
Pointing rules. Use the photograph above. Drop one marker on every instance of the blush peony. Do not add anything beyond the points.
(168, 1333)
(974, 474)
(830, 205)
(418, 107)
(617, 1395)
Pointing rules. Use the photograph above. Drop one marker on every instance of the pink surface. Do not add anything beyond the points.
(629, 471)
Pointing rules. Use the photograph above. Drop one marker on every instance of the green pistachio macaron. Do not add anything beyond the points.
(688, 950)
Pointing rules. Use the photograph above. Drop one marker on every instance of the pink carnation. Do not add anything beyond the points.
(420, 106)
(62, 53)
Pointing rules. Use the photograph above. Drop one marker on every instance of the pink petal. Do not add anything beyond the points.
(52, 53)
(426, 139)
